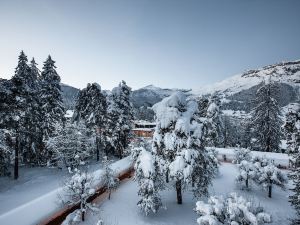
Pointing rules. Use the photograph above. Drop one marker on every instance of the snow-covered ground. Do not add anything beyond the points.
(35, 194)
(122, 208)
(278, 158)
(35, 198)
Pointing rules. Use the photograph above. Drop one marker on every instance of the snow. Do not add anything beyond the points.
(147, 163)
(39, 208)
(249, 79)
(69, 113)
(122, 208)
(279, 158)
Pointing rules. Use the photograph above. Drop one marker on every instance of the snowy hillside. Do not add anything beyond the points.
(286, 72)
(149, 95)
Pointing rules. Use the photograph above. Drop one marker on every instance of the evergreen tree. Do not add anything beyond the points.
(292, 133)
(266, 120)
(149, 175)
(120, 117)
(51, 99)
(209, 111)
(6, 149)
(70, 148)
(33, 121)
(246, 134)
(91, 106)
(179, 142)
(21, 92)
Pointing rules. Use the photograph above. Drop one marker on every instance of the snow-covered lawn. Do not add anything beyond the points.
(122, 208)
(32, 183)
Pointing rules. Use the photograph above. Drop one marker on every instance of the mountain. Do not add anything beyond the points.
(238, 91)
(149, 95)
(69, 95)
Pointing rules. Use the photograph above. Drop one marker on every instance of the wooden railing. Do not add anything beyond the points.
(60, 216)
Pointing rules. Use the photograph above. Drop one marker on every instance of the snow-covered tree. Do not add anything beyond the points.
(6, 150)
(78, 189)
(214, 122)
(91, 106)
(247, 172)
(178, 140)
(70, 148)
(22, 86)
(292, 133)
(109, 179)
(266, 120)
(149, 175)
(51, 99)
(270, 175)
(241, 154)
(233, 210)
(246, 133)
(120, 116)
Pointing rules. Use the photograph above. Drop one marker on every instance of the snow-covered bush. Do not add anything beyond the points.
(110, 181)
(270, 175)
(247, 172)
(241, 154)
(78, 189)
(233, 210)
(149, 176)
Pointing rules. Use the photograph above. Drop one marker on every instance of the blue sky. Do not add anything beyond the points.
(167, 43)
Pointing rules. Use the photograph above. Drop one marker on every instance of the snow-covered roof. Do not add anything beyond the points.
(144, 122)
(142, 129)
(69, 113)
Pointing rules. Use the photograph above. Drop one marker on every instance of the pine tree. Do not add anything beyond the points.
(209, 111)
(51, 99)
(292, 133)
(266, 119)
(91, 107)
(70, 148)
(120, 116)
(21, 90)
(246, 134)
(179, 142)
(149, 175)
(33, 121)
(6, 149)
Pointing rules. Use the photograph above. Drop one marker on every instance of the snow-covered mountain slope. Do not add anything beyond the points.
(285, 72)
(149, 95)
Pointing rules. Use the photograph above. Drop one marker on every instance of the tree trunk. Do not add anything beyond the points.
(16, 166)
(82, 216)
(247, 182)
(270, 191)
(178, 190)
(97, 148)
(109, 193)
(167, 176)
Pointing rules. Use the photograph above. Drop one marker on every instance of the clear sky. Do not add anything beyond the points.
(167, 43)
